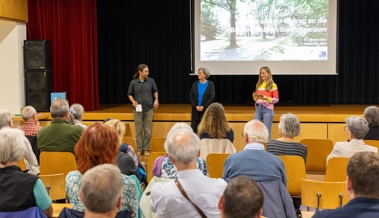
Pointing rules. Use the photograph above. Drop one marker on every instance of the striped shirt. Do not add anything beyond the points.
(273, 95)
(277, 147)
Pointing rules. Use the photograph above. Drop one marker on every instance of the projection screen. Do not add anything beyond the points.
(292, 37)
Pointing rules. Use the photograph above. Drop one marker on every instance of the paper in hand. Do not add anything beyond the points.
(139, 108)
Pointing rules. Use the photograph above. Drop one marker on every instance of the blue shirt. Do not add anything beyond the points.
(201, 90)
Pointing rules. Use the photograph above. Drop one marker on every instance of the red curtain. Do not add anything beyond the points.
(71, 27)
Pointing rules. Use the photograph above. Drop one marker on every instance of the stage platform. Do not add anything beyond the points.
(317, 121)
(234, 113)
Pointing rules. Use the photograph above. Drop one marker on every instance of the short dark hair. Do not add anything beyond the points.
(363, 172)
(242, 198)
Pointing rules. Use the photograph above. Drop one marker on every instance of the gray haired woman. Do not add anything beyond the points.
(202, 95)
(371, 115)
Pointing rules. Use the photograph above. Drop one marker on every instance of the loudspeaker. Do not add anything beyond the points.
(37, 55)
(38, 86)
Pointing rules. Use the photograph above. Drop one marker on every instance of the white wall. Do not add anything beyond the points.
(12, 36)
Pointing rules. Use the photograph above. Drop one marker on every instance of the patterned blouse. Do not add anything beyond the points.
(130, 197)
(169, 170)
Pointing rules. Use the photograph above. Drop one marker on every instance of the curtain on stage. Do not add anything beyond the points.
(71, 27)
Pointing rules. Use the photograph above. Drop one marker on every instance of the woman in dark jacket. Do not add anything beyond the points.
(202, 95)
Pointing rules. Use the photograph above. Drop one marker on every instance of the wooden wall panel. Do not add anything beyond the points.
(14, 9)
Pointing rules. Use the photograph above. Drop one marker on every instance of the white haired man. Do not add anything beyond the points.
(265, 168)
(183, 148)
(31, 127)
(101, 191)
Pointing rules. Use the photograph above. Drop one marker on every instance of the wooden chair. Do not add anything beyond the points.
(336, 169)
(374, 143)
(150, 163)
(295, 171)
(223, 146)
(323, 195)
(52, 162)
(157, 144)
(215, 164)
(21, 164)
(130, 141)
(56, 188)
(318, 151)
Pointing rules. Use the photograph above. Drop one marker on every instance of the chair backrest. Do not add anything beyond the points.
(150, 163)
(323, 195)
(318, 151)
(223, 146)
(55, 185)
(157, 144)
(336, 169)
(21, 164)
(295, 171)
(374, 143)
(130, 141)
(215, 164)
(52, 162)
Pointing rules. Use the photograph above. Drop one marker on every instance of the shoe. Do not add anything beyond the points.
(146, 153)
(139, 153)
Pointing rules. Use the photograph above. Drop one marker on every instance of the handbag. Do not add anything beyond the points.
(186, 196)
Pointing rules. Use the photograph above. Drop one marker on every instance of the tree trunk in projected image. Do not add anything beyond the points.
(233, 37)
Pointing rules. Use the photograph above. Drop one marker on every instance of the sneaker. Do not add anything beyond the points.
(146, 153)
(139, 153)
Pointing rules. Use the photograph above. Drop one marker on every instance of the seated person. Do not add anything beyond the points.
(99, 145)
(289, 127)
(164, 168)
(19, 190)
(362, 188)
(246, 192)
(356, 128)
(265, 168)
(214, 124)
(128, 161)
(78, 111)
(101, 191)
(371, 114)
(30, 158)
(31, 127)
(167, 198)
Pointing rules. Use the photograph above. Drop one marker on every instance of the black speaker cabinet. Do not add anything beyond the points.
(38, 86)
(37, 55)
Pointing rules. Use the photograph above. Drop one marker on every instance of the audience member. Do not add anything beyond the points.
(78, 111)
(246, 192)
(163, 166)
(289, 127)
(99, 145)
(356, 128)
(214, 124)
(101, 191)
(30, 159)
(371, 114)
(265, 168)
(59, 135)
(19, 190)
(126, 159)
(31, 127)
(183, 147)
(362, 187)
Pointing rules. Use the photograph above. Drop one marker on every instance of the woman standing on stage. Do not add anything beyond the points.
(202, 95)
(265, 96)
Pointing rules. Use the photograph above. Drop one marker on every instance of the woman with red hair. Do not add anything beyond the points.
(99, 145)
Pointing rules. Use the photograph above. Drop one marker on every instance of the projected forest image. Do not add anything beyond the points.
(264, 30)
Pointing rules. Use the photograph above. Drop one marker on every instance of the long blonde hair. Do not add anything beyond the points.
(214, 122)
(269, 82)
